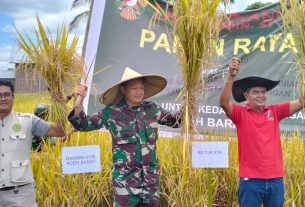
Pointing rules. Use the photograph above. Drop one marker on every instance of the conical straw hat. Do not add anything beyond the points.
(153, 84)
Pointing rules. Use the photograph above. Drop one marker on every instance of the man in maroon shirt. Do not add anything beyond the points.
(260, 157)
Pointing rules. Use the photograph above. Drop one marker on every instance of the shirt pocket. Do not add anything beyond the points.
(17, 140)
(126, 136)
(20, 171)
(18, 136)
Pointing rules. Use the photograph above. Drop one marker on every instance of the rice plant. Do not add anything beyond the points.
(293, 14)
(181, 185)
(196, 29)
(56, 61)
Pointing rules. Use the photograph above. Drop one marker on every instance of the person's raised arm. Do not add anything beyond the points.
(56, 130)
(79, 119)
(298, 104)
(80, 93)
(225, 95)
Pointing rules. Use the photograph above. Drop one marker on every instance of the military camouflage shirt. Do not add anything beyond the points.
(134, 133)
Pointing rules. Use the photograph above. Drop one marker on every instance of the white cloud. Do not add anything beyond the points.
(7, 28)
(14, 8)
(241, 5)
(5, 52)
(4, 57)
(48, 20)
(27, 20)
(52, 14)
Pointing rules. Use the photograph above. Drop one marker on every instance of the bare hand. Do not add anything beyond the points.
(234, 66)
(59, 97)
(80, 91)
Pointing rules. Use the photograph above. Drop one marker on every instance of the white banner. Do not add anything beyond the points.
(82, 159)
(210, 155)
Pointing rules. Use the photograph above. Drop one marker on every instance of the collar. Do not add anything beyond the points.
(248, 108)
(123, 104)
(143, 105)
(8, 117)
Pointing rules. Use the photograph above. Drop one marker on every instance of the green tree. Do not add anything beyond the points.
(228, 1)
(82, 16)
(256, 5)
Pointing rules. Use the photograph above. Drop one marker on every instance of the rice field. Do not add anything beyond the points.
(181, 186)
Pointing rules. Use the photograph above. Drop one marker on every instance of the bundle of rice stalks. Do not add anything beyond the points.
(293, 14)
(196, 29)
(54, 60)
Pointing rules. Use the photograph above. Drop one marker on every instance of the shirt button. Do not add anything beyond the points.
(2, 170)
(2, 155)
(3, 185)
(2, 139)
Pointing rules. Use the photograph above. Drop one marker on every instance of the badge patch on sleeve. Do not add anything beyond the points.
(17, 127)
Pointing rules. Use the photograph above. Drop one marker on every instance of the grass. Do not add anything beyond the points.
(55, 189)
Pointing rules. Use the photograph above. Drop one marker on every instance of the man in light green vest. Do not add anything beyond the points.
(16, 132)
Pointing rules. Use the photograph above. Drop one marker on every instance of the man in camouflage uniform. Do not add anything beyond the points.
(133, 124)
(41, 111)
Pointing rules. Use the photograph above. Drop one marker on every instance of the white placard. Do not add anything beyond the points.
(81, 159)
(210, 155)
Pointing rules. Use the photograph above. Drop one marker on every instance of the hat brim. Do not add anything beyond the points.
(153, 84)
(242, 85)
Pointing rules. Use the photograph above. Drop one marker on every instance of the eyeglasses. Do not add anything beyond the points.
(5, 95)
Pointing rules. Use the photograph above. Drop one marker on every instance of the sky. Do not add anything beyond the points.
(22, 15)
(241, 5)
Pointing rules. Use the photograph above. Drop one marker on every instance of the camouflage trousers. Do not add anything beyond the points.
(137, 197)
